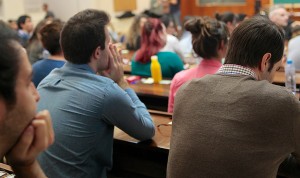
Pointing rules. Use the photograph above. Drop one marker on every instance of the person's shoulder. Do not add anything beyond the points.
(182, 75)
(265, 90)
(38, 63)
(172, 38)
(167, 54)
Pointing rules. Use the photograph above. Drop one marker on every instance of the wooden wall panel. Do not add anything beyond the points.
(189, 7)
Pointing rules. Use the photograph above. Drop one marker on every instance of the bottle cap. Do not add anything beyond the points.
(289, 61)
(154, 57)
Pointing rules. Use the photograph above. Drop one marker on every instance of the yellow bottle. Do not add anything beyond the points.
(155, 69)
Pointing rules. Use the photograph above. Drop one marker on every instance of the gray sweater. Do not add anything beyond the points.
(232, 127)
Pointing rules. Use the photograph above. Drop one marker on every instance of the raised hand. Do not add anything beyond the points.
(38, 136)
(115, 67)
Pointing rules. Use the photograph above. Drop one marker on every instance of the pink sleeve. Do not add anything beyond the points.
(173, 89)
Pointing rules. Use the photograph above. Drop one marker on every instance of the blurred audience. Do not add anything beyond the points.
(133, 40)
(153, 39)
(185, 42)
(175, 12)
(49, 14)
(293, 47)
(172, 43)
(240, 18)
(25, 28)
(35, 48)
(229, 19)
(13, 24)
(50, 35)
(280, 16)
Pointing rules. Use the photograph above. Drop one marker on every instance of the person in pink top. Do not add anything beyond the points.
(209, 38)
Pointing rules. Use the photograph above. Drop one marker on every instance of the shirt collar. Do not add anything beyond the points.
(85, 67)
(233, 69)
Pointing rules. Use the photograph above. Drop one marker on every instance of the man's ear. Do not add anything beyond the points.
(265, 61)
(97, 53)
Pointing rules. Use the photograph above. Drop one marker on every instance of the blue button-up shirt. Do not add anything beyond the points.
(85, 107)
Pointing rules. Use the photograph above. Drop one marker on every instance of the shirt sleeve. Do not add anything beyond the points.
(173, 89)
(123, 109)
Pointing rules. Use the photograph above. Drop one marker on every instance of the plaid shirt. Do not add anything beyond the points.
(236, 69)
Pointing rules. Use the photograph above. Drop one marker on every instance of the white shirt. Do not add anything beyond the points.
(172, 45)
(294, 51)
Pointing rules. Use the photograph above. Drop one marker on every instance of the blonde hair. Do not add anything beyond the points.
(135, 31)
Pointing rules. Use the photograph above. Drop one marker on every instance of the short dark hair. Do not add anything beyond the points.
(207, 35)
(226, 17)
(9, 63)
(252, 39)
(21, 20)
(166, 20)
(82, 34)
(50, 35)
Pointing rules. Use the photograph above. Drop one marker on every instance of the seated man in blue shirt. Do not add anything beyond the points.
(25, 27)
(85, 106)
(50, 35)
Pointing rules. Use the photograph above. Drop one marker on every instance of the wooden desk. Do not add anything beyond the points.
(132, 158)
(127, 68)
(154, 96)
(279, 78)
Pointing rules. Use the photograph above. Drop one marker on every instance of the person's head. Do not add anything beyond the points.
(209, 37)
(85, 36)
(169, 24)
(50, 35)
(279, 15)
(18, 95)
(36, 32)
(135, 29)
(229, 19)
(13, 24)
(257, 43)
(45, 7)
(25, 23)
(240, 18)
(153, 39)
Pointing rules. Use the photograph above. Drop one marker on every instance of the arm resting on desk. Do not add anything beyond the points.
(124, 110)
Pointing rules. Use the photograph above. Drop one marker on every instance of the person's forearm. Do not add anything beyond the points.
(30, 171)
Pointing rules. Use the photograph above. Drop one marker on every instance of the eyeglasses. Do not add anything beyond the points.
(164, 132)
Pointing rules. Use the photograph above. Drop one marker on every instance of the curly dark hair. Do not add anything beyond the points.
(9, 63)
(207, 35)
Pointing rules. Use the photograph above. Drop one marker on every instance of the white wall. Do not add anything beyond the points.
(67, 8)
(12, 9)
(64, 9)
